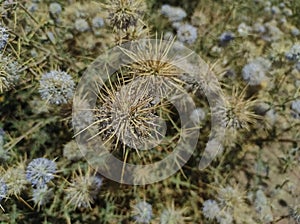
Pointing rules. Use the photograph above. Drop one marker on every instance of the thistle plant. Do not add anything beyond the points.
(124, 14)
(82, 189)
(57, 87)
(172, 215)
(15, 177)
(9, 73)
(238, 111)
(142, 212)
(40, 171)
(41, 196)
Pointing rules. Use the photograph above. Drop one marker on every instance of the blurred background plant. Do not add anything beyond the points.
(253, 48)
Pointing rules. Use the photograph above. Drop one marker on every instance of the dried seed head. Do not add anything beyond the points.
(83, 189)
(9, 73)
(127, 115)
(124, 13)
(238, 112)
(41, 195)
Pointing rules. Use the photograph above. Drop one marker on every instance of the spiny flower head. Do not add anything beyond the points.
(238, 112)
(142, 212)
(187, 33)
(127, 115)
(230, 197)
(124, 14)
(211, 209)
(9, 73)
(40, 171)
(155, 60)
(170, 215)
(15, 178)
(3, 37)
(83, 188)
(41, 195)
(57, 87)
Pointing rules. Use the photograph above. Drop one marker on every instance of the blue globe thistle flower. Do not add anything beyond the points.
(57, 87)
(40, 171)
(173, 13)
(83, 189)
(187, 33)
(81, 25)
(254, 73)
(3, 37)
(142, 212)
(3, 189)
(9, 72)
(294, 53)
(211, 209)
(226, 37)
(55, 8)
(98, 22)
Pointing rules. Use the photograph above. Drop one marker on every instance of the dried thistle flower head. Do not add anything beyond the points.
(155, 60)
(142, 212)
(238, 111)
(127, 115)
(124, 13)
(83, 188)
(15, 179)
(230, 197)
(41, 196)
(9, 73)
(170, 215)
(57, 87)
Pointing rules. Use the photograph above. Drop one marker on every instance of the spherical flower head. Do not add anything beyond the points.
(83, 189)
(57, 87)
(294, 53)
(254, 72)
(211, 209)
(3, 37)
(98, 22)
(225, 218)
(41, 195)
(173, 13)
(3, 189)
(124, 14)
(9, 73)
(171, 215)
(55, 8)
(142, 212)
(81, 25)
(226, 37)
(40, 171)
(187, 33)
